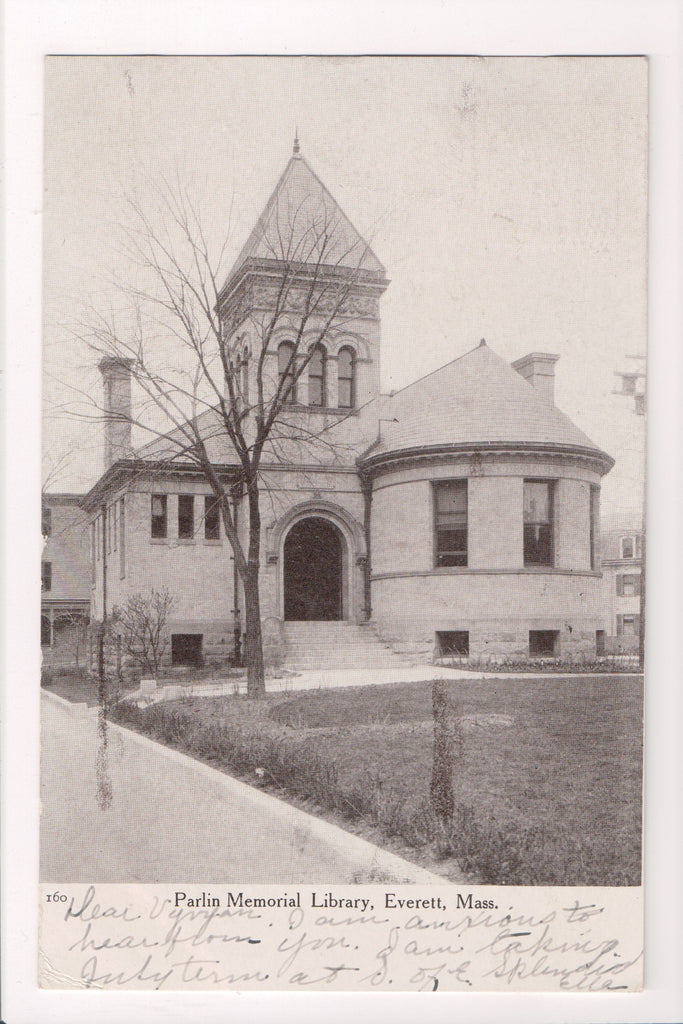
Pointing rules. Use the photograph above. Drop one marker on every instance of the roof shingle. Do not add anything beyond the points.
(302, 222)
(475, 399)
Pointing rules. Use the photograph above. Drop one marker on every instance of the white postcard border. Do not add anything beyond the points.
(32, 29)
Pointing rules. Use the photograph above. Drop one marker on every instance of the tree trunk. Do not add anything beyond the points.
(441, 789)
(256, 685)
(101, 671)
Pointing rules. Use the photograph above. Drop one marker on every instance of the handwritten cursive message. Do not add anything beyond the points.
(362, 937)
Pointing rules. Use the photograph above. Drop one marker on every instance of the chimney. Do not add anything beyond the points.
(117, 408)
(539, 369)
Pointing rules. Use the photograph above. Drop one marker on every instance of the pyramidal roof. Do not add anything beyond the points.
(302, 223)
(477, 399)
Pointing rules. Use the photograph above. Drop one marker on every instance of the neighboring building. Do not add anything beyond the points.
(460, 514)
(65, 579)
(621, 556)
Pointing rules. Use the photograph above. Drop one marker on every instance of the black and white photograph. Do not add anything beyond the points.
(345, 646)
(344, 422)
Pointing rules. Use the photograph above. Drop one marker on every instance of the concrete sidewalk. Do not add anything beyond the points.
(330, 679)
(131, 810)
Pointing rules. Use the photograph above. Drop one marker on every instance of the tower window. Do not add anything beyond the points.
(245, 376)
(285, 365)
(316, 376)
(346, 378)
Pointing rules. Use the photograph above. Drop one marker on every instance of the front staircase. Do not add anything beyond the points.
(337, 645)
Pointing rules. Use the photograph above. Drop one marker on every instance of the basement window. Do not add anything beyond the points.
(543, 643)
(186, 650)
(453, 642)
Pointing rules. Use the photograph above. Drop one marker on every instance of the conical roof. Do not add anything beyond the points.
(302, 223)
(475, 400)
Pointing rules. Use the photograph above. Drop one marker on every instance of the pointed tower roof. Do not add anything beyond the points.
(476, 401)
(302, 223)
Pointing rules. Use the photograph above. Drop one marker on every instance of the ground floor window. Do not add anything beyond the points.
(211, 518)
(186, 649)
(450, 522)
(599, 642)
(628, 625)
(453, 642)
(46, 576)
(543, 643)
(45, 631)
(538, 523)
(628, 585)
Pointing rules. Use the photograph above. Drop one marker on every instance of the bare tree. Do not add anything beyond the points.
(211, 397)
(142, 621)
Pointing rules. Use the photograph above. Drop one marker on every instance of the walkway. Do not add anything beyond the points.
(134, 811)
(329, 679)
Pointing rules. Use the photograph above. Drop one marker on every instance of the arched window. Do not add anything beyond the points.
(245, 377)
(316, 376)
(285, 367)
(346, 378)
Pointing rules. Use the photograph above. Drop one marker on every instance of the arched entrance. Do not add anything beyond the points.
(314, 560)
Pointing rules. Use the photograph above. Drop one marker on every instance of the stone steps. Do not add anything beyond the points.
(336, 645)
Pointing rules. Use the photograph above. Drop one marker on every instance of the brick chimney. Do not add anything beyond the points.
(539, 369)
(117, 408)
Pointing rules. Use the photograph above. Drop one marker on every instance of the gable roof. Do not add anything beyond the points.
(302, 222)
(475, 400)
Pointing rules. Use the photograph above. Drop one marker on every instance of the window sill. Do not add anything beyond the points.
(336, 410)
(462, 570)
(215, 543)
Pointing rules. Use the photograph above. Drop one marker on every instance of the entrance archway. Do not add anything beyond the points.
(314, 571)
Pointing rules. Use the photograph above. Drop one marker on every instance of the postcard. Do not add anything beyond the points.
(345, 676)
(343, 577)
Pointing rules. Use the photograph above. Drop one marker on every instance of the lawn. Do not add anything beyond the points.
(73, 684)
(546, 772)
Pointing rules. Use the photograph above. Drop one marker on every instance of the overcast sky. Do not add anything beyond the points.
(506, 198)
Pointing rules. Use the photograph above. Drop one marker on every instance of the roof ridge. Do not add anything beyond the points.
(443, 366)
